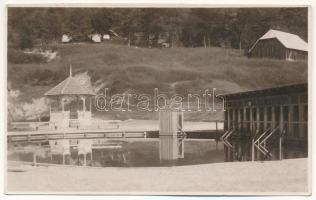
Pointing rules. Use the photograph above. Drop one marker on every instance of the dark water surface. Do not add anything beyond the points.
(136, 152)
(123, 153)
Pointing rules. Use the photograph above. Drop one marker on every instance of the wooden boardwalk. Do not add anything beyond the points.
(127, 130)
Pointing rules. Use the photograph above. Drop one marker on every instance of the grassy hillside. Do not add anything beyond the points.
(174, 70)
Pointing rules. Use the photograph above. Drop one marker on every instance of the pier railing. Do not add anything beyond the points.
(34, 135)
(293, 129)
(266, 137)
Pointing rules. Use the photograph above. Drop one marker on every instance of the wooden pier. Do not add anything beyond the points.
(118, 133)
(259, 123)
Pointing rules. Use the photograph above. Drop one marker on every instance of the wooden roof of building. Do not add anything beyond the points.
(288, 40)
(70, 86)
(281, 90)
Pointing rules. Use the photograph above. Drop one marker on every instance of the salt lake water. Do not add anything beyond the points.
(110, 153)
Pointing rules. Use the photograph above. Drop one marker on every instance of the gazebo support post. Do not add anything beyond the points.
(84, 104)
(90, 103)
(62, 104)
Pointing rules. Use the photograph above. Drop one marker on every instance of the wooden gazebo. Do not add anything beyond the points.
(70, 103)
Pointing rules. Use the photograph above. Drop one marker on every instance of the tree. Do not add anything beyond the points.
(240, 27)
(78, 23)
(21, 23)
(102, 20)
(295, 20)
(244, 26)
(35, 109)
(172, 20)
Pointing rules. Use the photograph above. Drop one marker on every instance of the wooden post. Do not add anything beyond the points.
(62, 104)
(84, 104)
(281, 119)
(273, 120)
(226, 153)
(216, 135)
(265, 120)
(228, 118)
(236, 126)
(239, 125)
(290, 120)
(253, 149)
(34, 157)
(244, 119)
(234, 118)
(251, 120)
(273, 125)
(230, 153)
(229, 126)
(281, 132)
(181, 148)
(301, 120)
(240, 129)
(258, 129)
(251, 132)
(280, 148)
(84, 159)
(265, 117)
(90, 101)
(244, 133)
(63, 158)
(50, 108)
(258, 118)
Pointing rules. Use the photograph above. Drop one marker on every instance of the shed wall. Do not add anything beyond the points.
(272, 48)
(269, 48)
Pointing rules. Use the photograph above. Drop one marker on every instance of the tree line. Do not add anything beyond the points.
(188, 27)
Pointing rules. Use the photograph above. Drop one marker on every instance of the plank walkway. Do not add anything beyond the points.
(127, 130)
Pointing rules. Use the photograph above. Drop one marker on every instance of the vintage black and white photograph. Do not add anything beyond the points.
(157, 100)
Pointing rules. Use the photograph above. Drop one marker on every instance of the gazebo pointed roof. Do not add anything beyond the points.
(70, 86)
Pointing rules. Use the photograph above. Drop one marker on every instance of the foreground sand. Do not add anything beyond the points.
(286, 176)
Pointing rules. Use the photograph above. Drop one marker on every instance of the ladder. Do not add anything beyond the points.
(181, 135)
(226, 135)
(260, 142)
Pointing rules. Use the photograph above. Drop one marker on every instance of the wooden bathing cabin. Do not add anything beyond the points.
(266, 124)
(171, 135)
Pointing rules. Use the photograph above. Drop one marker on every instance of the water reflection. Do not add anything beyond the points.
(106, 152)
(136, 152)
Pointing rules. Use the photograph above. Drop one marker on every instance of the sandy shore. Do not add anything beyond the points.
(286, 176)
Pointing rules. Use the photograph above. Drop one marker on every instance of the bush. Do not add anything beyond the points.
(43, 77)
(19, 57)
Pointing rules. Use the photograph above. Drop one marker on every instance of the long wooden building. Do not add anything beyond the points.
(266, 124)
(279, 45)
